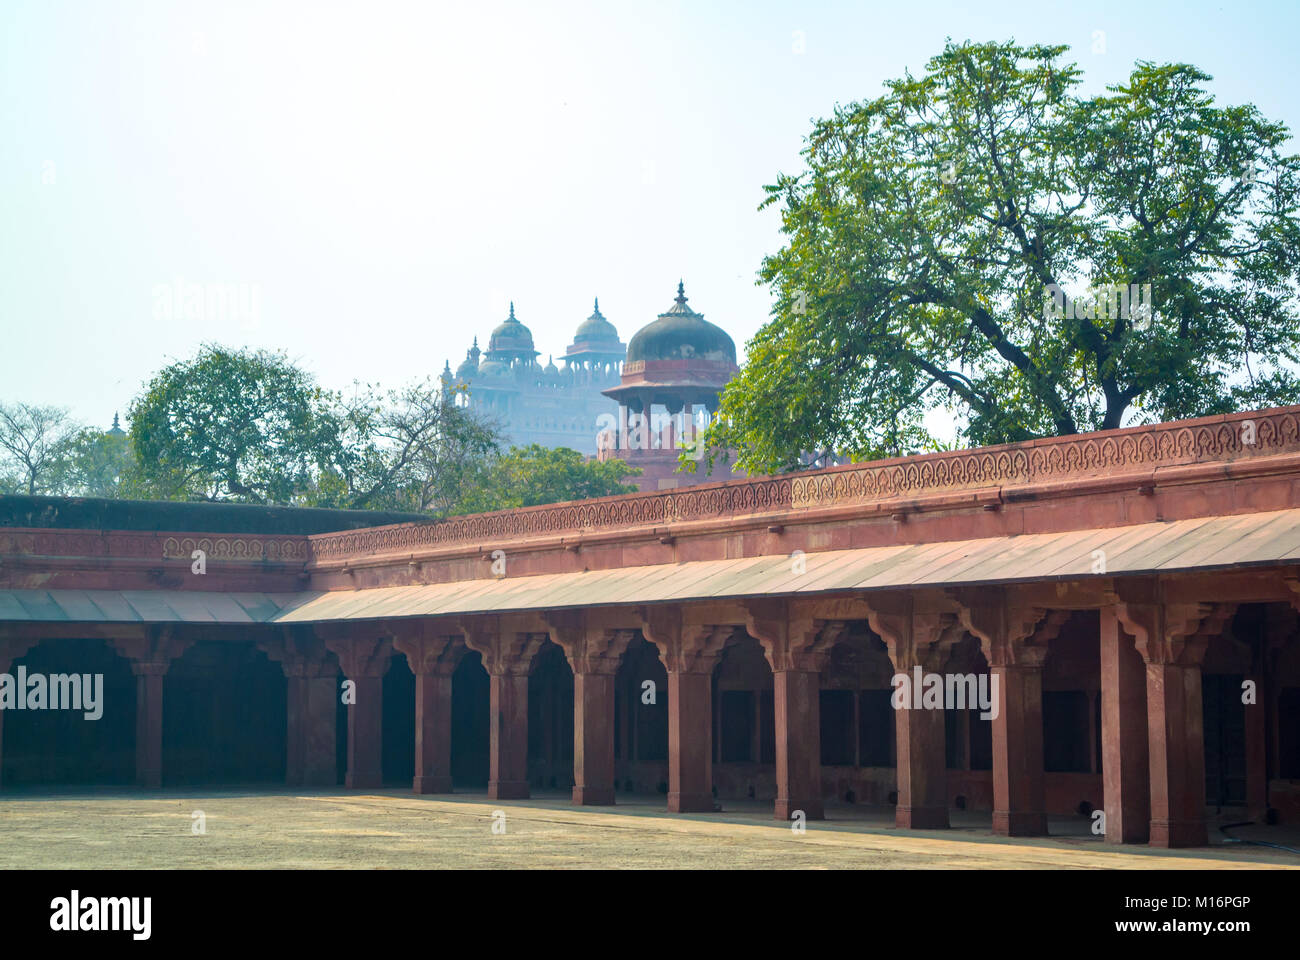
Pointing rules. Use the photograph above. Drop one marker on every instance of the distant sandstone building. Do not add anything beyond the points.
(643, 402)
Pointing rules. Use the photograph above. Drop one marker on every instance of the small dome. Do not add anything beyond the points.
(596, 329)
(511, 336)
(551, 369)
(466, 371)
(490, 369)
(681, 333)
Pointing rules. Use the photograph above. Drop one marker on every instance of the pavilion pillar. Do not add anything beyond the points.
(797, 650)
(918, 635)
(433, 659)
(151, 654)
(508, 654)
(690, 653)
(364, 663)
(594, 650)
(1014, 640)
(10, 650)
(1172, 639)
(647, 422)
(311, 686)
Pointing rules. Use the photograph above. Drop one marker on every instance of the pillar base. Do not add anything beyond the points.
(593, 796)
(1179, 833)
(508, 790)
(431, 785)
(812, 809)
(690, 803)
(362, 781)
(921, 818)
(1019, 824)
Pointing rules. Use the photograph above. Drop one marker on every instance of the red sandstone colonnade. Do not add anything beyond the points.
(1149, 653)
(1133, 593)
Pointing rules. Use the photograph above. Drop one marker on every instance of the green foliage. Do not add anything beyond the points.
(253, 427)
(102, 464)
(413, 449)
(931, 222)
(533, 475)
(235, 425)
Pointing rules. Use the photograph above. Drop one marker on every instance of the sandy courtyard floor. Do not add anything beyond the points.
(392, 829)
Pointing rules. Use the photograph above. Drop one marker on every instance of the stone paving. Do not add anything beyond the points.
(392, 829)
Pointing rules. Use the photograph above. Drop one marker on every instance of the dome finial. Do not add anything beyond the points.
(598, 304)
(116, 425)
(512, 310)
(681, 292)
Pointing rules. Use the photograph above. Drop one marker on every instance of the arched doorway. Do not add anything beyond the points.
(64, 746)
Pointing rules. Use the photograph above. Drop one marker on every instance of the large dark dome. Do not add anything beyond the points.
(681, 333)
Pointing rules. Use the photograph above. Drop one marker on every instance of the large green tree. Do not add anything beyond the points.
(932, 225)
(103, 464)
(533, 475)
(254, 427)
(242, 425)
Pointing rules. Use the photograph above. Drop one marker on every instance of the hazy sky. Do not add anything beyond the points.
(385, 177)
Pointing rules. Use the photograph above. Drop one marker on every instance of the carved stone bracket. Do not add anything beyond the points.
(917, 632)
(152, 650)
(1173, 633)
(300, 653)
(506, 650)
(429, 649)
(12, 648)
(684, 648)
(1010, 634)
(791, 641)
(591, 647)
(367, 658)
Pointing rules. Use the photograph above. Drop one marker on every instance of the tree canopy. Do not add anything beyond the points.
(960, 243)
(235, 424)
(533, 475)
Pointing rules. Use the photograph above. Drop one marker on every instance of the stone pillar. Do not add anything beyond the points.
(364, 663)
(507, 653)
(148, 722)
(151, 653)
(797, 650)
(918, 635)
(593, 738)
(690, 653)
(1014, 640)
(593, 649)
(796, 698)
(1126, 785)
(433, 659)
(311, 688)
(1256, 748)
(508, 768)
(1172, 640)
